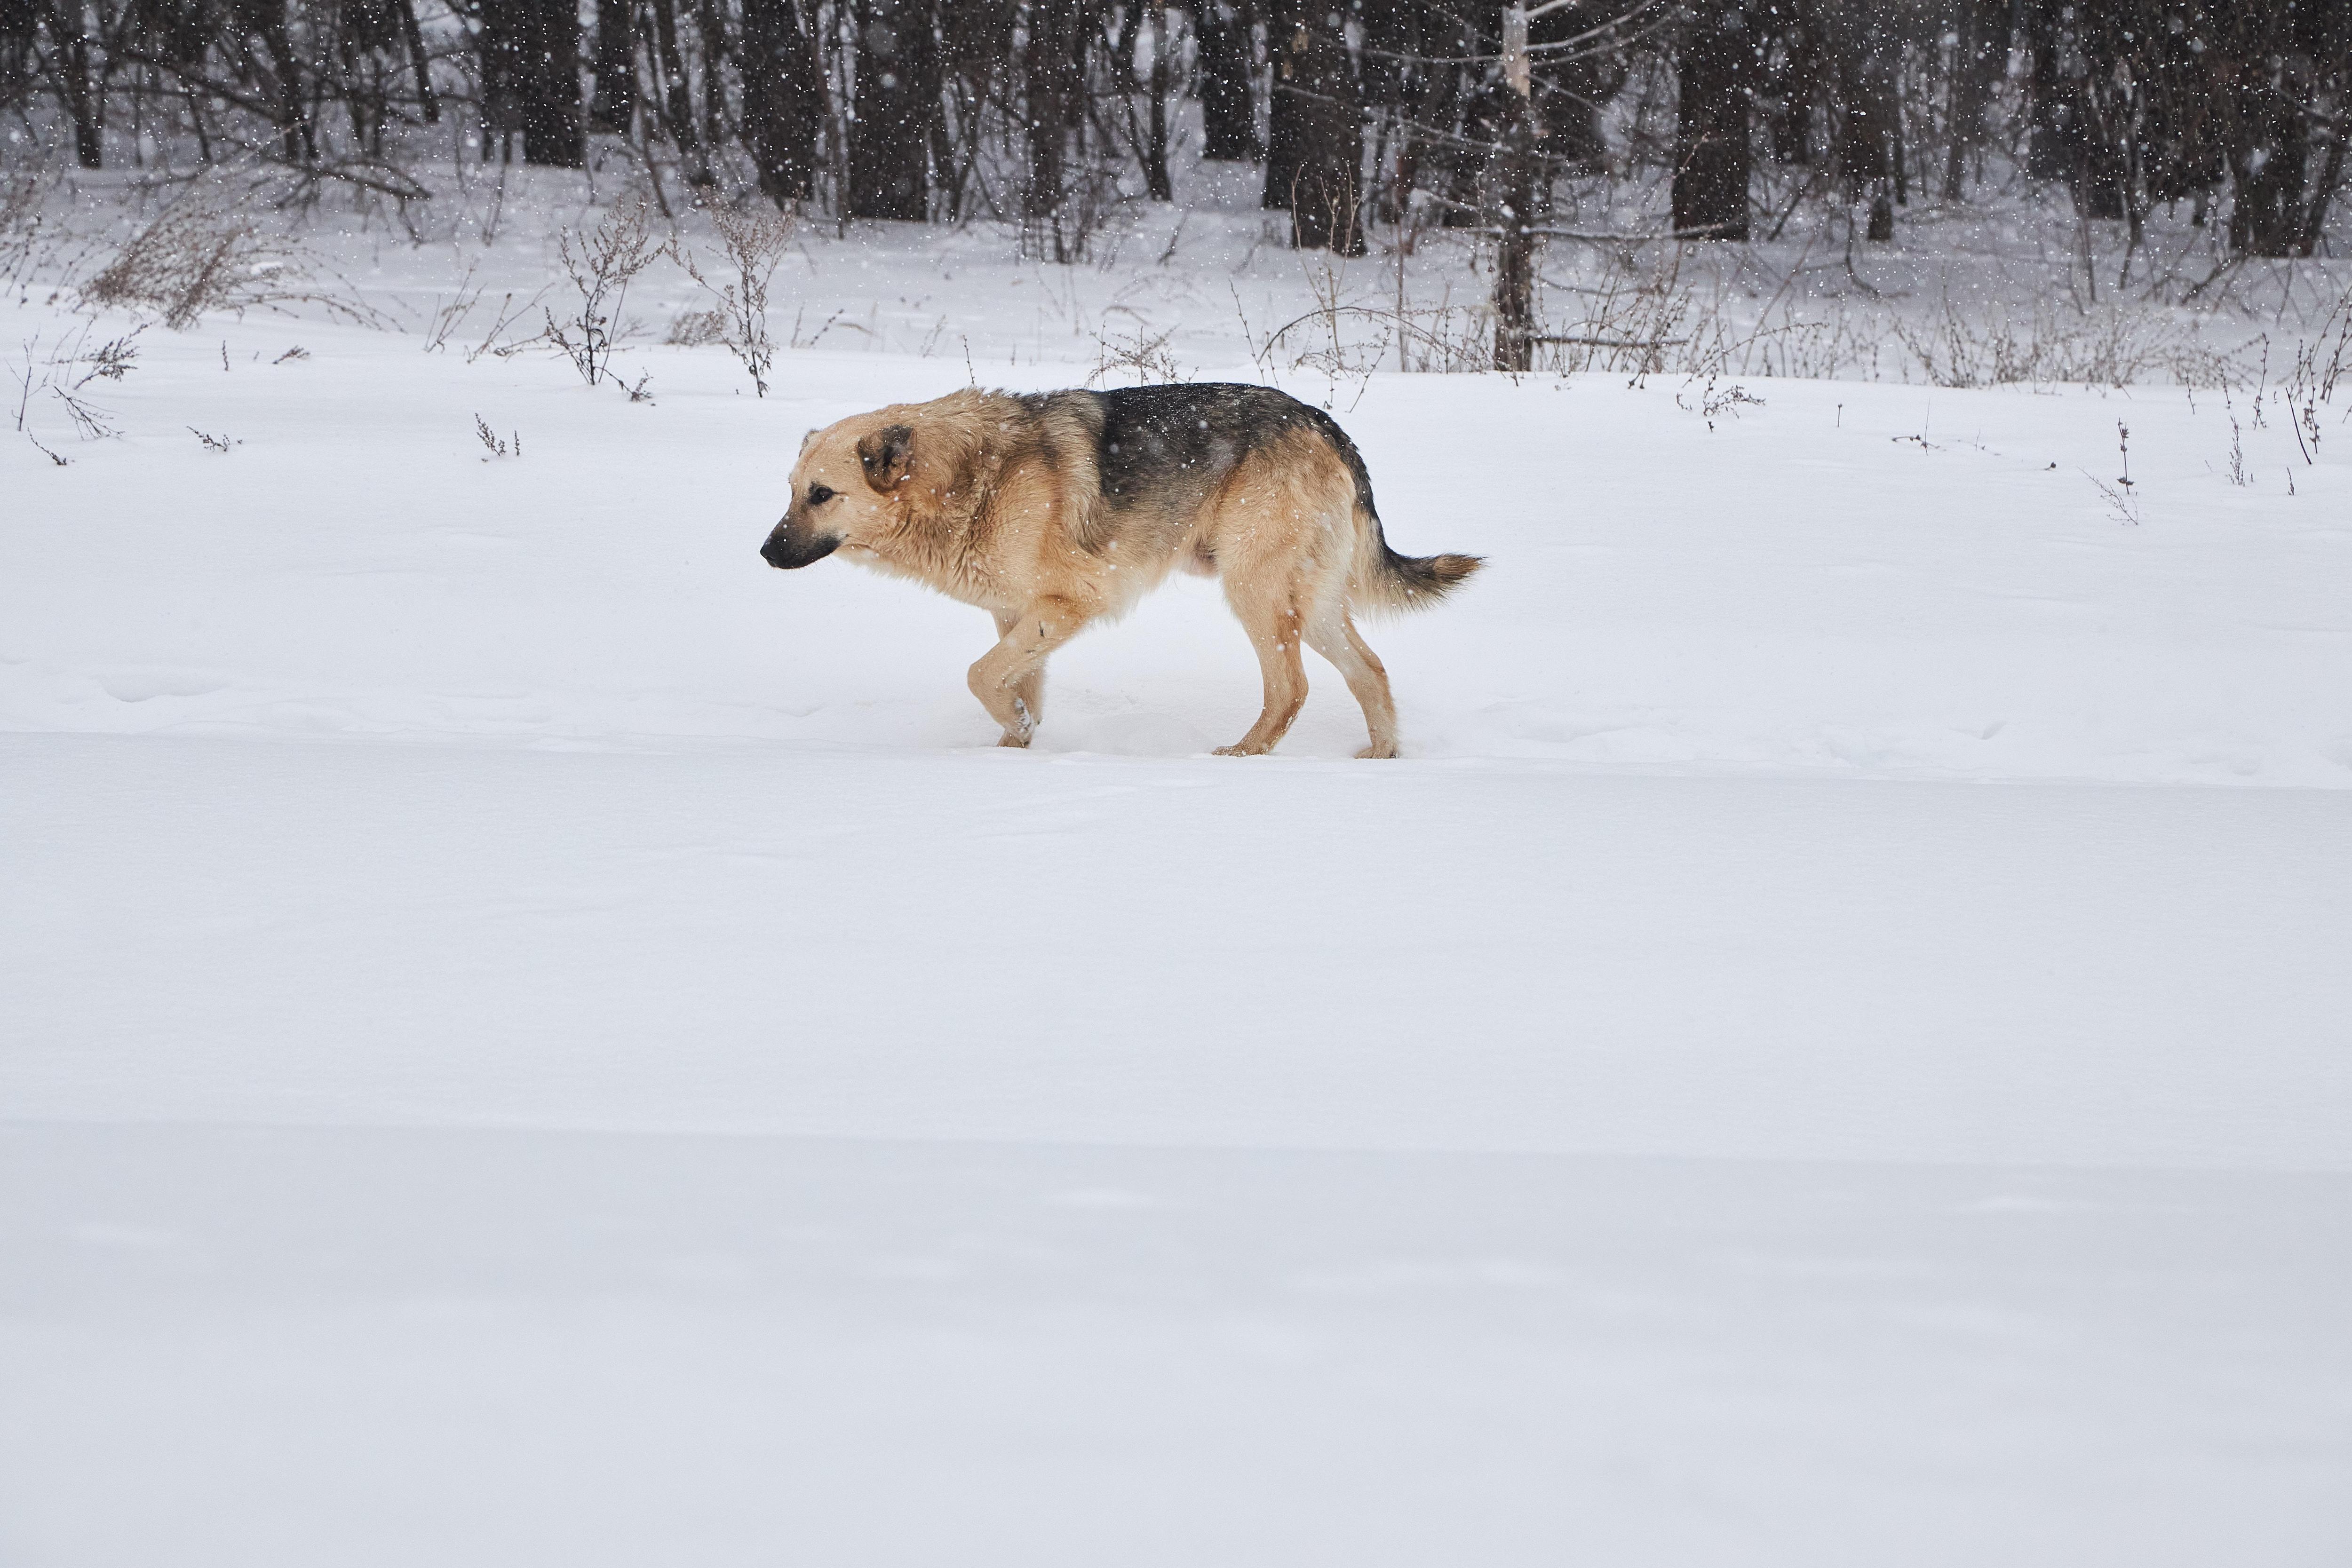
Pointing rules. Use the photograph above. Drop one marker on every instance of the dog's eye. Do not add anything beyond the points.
(820, 494)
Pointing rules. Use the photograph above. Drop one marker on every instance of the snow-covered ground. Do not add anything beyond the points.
(526, 1036)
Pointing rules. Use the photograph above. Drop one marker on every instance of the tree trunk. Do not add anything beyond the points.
(889, 140)
(412, 38)
(2330, 41)
(265, 20)
(2266, 164)
(1511, 179)
(1792, 86)
(1286, 42)
(1228, 103)
(714, 78)
(1326, 138)
(553, 130)
(302, 140)
(2331, 180)
(1711, 146)
(614, 102)
(1984, 44)
(69, 63)
(1571, 86)
(531, 78)
(2047, 154)
(1864, 54)
(677, 108)
(783, 98)
(1047, 69)
(1155, 154)
(2098, 122)
(979, 65)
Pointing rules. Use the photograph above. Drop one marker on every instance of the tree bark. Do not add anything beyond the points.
(2331, 180)
(2267, 160)
(890, 141)
(1228, 102)
(1155, 152)
(2330, 41)
(1286, 42)
(531, 78)
(1791, 86)
(1049, 90)
(1864, 56)
(412, 38)
(2047, 154)
(69, 63)
(714, 77)
(1712, 158)
(1326, 138)
(553, 130)
(783, 98)
(677, 108)
(265, 20)
(979, 67)
(1511, 180)
(1984, 42)
(614, 102)
(1571, 87)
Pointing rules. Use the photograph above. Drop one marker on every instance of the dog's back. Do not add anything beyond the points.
(1164, 454)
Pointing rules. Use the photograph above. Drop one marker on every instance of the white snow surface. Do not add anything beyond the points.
(526, 1036)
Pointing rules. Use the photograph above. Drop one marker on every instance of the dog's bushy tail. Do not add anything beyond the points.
(1385, 583)
(1399, 582)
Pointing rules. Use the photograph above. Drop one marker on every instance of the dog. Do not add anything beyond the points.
(1052, 510)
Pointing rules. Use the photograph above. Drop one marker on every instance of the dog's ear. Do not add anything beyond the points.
(887, 454)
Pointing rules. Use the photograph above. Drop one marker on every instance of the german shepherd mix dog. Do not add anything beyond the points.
(1055, 509)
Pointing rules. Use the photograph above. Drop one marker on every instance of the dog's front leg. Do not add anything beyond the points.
(1029, 691)
(1009, 678)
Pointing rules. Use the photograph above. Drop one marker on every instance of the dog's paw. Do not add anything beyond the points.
(1018, 742)
(1239, 751)
(1373, 753)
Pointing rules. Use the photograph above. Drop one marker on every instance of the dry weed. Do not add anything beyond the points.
(24, 200)
(2117, 347)
(1142, 358)
(203, 254)
(2321, 361)
(696, 328)
(60, 379)
(601, 263)
(751, 242)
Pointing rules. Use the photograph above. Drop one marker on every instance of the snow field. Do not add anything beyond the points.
(377, 1348)
(529, 1035)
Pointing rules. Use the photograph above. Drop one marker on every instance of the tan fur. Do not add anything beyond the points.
(997, 503)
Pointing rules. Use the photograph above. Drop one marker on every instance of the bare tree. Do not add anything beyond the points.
(784, 97)
(897, 95)
(1716, 65)
(1224, 83)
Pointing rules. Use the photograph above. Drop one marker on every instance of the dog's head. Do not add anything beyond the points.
(850, 485)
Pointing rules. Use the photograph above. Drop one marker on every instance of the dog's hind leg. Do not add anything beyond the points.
(1017, 663)
(1274, 623)
(1334, 636)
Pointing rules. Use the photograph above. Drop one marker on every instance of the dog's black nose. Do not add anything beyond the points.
(789, 554)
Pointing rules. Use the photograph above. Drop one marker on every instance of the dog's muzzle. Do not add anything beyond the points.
(786, 553)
